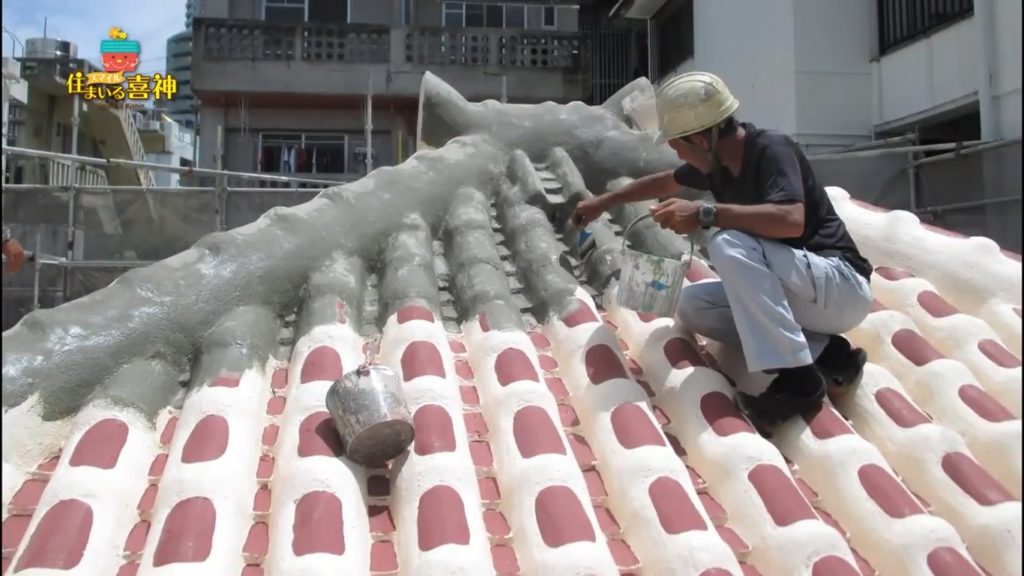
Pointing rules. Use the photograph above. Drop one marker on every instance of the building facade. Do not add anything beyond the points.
(182, 109)
(284, 85)
(834, 73)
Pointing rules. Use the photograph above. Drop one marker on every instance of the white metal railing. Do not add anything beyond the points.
(138, 150)
(59, 174)
(92, 179)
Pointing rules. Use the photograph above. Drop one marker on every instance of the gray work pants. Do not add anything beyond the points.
(777, 303)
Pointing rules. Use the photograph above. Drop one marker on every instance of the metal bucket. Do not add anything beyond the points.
(370, 414)
(650, 284)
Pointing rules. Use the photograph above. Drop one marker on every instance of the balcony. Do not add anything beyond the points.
(253, 57)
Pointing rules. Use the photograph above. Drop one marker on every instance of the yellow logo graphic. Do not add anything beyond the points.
(120, 56)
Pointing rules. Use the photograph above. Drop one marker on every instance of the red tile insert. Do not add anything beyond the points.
(421, 358)
(187, 534)
(441, 518)
(513, 365)
(101, 445)
(633, 427)
(561, 517)
(318, 527)
(207, 441)
(782, 499)
(435, 432)
(323, 363)
(676, 512)
(603, 364)
(535, 434)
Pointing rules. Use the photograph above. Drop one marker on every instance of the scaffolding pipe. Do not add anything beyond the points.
(966, 151)
(75, 119)
(88, 161)
(160, 189)
(966, 205)
(898, 150)
(908, 137)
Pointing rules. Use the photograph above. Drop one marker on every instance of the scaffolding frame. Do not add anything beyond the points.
(221, 191)
(913, 152)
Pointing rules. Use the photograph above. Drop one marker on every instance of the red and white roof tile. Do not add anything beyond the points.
(602, 445)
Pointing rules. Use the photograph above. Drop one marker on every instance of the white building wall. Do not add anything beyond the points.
(751, 45)
(944, 71)
(834, 44)
(810, 67)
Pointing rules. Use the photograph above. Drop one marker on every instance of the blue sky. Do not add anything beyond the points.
(86, 22)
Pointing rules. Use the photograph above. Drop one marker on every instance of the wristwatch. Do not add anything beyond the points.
(707, 215)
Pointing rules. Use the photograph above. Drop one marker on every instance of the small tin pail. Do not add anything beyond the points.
(650, 284)
(370, 414)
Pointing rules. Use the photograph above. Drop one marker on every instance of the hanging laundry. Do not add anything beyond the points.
(314, 160)
(293, 158)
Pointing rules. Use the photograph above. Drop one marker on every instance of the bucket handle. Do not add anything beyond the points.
(638, 219)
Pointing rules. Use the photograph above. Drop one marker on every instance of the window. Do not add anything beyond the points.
(515, 16)
(299, 11)
(284, 11)
(328, 11)
(453, 15)
(477, 15)
(494, 16)
(674, 25)
(320, 153)
(548, 19)
(474, 16)
(900, 21)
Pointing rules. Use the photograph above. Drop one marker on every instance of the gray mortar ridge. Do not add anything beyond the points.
(601, 258)
(478, 279)
(407, 271)
(242, 339)
(536, 252)
(163, 310)
(342, 279)
(166, 309)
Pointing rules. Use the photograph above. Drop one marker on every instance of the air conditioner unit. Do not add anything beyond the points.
(642, 9)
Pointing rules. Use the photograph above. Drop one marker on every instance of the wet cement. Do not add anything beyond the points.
(600, 143)
(407, 274)
(159, 378)
(479, 283)
(601, 252)
(164, 310)
(341, 281)
(548, 283)
(242, 339)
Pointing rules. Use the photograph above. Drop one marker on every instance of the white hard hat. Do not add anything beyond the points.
(692, 102)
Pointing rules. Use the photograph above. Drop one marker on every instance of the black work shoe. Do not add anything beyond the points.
(784, 398)
(840, 364)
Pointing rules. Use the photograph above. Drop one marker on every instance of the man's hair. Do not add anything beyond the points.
(726, 128)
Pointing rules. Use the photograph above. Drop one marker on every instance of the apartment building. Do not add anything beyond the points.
(285, 85)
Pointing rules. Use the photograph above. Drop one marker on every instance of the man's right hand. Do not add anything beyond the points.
(587, 211)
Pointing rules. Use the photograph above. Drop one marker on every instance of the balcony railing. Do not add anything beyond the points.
(901, 21)
(370, 44)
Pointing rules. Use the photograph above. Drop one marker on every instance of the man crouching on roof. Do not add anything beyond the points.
(792, 279)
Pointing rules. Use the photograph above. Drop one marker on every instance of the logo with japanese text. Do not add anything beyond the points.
(121, 56)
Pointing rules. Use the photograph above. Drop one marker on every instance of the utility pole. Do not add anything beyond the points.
(369, 125)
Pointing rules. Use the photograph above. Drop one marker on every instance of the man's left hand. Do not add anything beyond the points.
(677, 215)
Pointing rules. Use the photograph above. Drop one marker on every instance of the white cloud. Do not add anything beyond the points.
(86, 22)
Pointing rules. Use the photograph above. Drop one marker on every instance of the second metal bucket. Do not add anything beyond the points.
(370, 414)
(650, 284)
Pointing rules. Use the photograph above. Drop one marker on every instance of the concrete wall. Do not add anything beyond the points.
(833, 72)
(810, 67)
(943, 71)
(751, 45)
